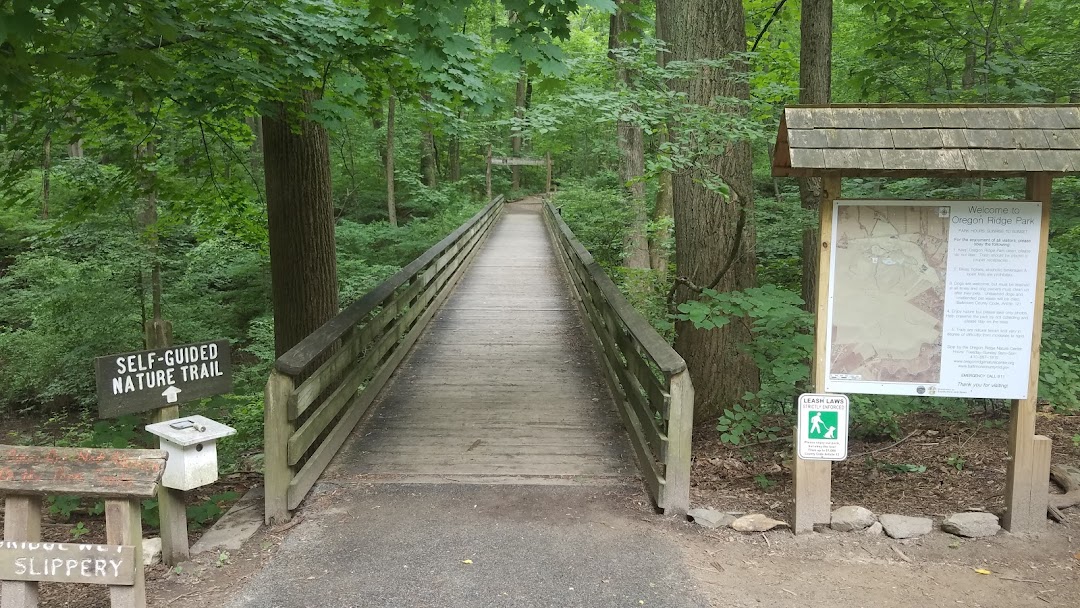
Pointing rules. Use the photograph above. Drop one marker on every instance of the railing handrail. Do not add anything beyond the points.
(316, 344)
(658, 349)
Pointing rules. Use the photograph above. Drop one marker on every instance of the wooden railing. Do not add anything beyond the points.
(320, 389)
(648, 379)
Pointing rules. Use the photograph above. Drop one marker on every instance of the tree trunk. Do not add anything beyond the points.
(706, 221)
(631, 156)
(658, 256)
(453, 152)
(255, 153)
(428, 165)
(967, 79)
(46, 169)
(300, 210)
(515, 132)
(391, 204)
(815, 77)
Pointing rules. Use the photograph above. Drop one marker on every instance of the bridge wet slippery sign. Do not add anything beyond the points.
(146, 380)
(67, 563)
(823, 426)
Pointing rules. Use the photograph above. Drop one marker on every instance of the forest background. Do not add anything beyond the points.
(138, 177)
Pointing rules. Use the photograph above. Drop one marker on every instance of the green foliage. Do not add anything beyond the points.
(874, 417)
(763, 482)
(599, 215)
(780, 341)
(956, 461)
(78, 531)
(61, 507)
(740, 425)
(210, 509)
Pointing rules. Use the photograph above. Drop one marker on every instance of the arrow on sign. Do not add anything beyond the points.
(170, 394)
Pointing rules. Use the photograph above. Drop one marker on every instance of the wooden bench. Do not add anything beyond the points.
(121, 477)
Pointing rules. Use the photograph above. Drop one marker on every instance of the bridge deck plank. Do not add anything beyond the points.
(503, 387)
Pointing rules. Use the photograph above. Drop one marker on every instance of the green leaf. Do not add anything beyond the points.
(505, 62)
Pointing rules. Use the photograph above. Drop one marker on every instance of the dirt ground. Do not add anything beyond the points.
(774, 569)
(964, 468)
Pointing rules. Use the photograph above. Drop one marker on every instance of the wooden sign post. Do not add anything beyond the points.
(122, 477)
(513, 161)
(159, 379)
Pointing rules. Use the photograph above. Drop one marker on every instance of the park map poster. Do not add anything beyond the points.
(932, 297)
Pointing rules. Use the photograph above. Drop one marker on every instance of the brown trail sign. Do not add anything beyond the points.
(122, 477)
(140, 381)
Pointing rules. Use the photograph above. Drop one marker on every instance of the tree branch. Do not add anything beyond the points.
(765, 28)
(733, 255)
(161, 44)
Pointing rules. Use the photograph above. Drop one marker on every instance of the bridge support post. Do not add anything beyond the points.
(680, 431)
(277, 429)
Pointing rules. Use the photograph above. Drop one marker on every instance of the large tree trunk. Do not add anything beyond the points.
(706, 221)
(631, 156)
(391, 204)
(300, 209)
(515, 132)
(658, 256)
(815, 77)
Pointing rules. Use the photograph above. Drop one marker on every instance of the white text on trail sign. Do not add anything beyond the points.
(141, 381)
(823, 426)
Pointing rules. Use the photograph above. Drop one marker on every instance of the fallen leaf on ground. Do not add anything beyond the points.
(982, 571)
(466, 561)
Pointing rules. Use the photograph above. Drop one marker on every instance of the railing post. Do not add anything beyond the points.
(277, 429)
(680, 431)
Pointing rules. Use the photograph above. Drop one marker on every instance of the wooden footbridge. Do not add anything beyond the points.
(503, 354)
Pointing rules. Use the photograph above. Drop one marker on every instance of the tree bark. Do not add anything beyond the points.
(815, 79)
(631, 144)
(391, 204)
(967, 78)
(453, 152)
(515, 133)
(46, 170)
(706, 221)
(300, 210)
(428, 165)
(255, 124)
(658, 256)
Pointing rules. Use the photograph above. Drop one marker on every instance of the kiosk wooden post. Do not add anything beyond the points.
(121, 477)
(1027, 483)
(813, 478)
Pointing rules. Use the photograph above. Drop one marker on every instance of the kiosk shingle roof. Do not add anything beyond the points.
(904, 141)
